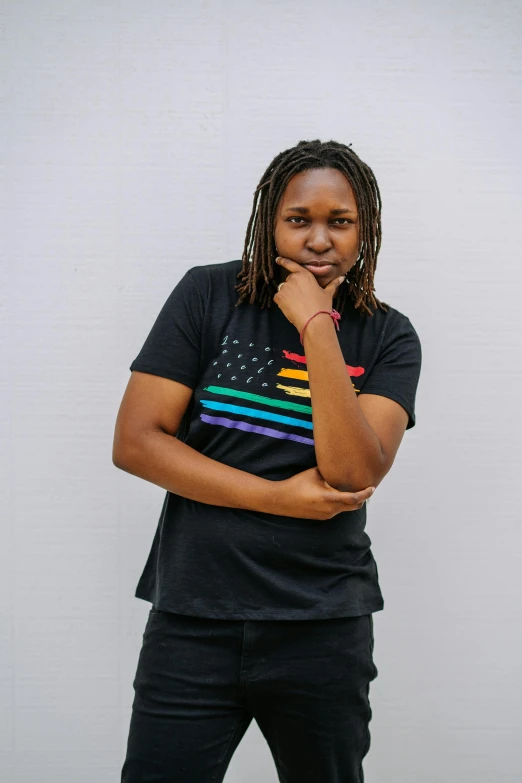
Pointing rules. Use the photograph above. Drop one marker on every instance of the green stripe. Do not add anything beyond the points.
(292, 406)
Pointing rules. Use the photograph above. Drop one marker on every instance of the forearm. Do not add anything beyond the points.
(348, 452)
(164, 460)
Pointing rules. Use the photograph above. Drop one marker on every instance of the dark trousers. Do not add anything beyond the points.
(201, 681)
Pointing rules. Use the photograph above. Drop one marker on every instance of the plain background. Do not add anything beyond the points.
(134, 135)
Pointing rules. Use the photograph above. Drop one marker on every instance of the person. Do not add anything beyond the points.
(269, 416)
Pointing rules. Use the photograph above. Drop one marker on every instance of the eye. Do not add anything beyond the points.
(303, 220)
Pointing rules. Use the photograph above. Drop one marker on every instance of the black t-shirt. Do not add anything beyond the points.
(251, 409)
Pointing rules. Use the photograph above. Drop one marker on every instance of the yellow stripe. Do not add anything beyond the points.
(295, 390)
(298, 391)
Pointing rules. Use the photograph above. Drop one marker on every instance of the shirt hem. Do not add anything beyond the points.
(180, 377)
(362, 608)
(391, 395)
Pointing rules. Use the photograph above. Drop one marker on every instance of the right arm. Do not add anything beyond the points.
(145, 445)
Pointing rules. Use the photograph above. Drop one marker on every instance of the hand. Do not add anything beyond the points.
(301, 296)
(309, 496)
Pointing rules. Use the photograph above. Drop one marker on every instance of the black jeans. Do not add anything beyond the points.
(201, 681)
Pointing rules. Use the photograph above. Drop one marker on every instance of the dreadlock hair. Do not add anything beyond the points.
(258, 272)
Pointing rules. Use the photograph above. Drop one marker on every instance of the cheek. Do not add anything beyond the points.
(283, 236)
(352, 240)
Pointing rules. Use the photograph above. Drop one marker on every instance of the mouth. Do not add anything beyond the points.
(319, 269)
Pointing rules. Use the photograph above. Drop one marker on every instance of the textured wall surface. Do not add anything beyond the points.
(134, 134)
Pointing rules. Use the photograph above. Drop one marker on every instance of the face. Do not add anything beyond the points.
(317, 224)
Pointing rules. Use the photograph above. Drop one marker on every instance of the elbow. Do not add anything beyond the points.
(344, 485)
(122, 453)
(355, 481)
(130, 449)
(127, 443)
(118, 459)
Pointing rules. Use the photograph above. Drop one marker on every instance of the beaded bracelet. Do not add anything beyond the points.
(333, 313)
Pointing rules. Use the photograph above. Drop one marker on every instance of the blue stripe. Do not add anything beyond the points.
(222, 406)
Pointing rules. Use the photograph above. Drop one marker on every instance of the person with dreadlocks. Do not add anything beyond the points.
(269, 400)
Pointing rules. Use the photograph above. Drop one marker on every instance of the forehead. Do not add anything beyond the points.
(318, 185)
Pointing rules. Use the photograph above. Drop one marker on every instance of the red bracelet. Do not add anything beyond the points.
(333, 313)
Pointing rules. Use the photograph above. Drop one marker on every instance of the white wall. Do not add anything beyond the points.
(135, 134)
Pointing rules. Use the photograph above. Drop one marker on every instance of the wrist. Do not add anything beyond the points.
(317, 327)
(272, 500)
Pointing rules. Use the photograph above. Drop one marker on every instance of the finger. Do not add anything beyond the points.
(359, 497)
(356, 507)
(334, 285)
(289, 264)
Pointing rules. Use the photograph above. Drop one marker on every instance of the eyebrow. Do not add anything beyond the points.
(305, 211)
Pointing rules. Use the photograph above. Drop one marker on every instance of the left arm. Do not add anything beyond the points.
(356, 438)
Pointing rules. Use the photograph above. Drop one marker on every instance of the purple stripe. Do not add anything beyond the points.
(247, 427)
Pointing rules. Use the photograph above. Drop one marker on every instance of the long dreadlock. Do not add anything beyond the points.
(258, 272)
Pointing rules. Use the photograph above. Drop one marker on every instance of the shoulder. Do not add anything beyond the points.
(382, 323)
(387, 333)
(399, 338)
(207, 275)
(206, 283)
(395, 321)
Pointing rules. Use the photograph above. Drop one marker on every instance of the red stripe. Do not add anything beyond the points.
(295, 357)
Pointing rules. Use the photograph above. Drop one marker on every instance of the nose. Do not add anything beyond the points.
(318, 239)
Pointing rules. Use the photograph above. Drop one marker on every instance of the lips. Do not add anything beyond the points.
(318, 269)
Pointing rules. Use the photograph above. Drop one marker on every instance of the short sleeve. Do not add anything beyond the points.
(173, 346)
(397, 369)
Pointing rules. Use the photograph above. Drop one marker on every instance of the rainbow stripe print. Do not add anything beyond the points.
(256, 410)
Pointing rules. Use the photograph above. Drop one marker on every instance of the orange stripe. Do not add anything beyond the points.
(300, 375)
